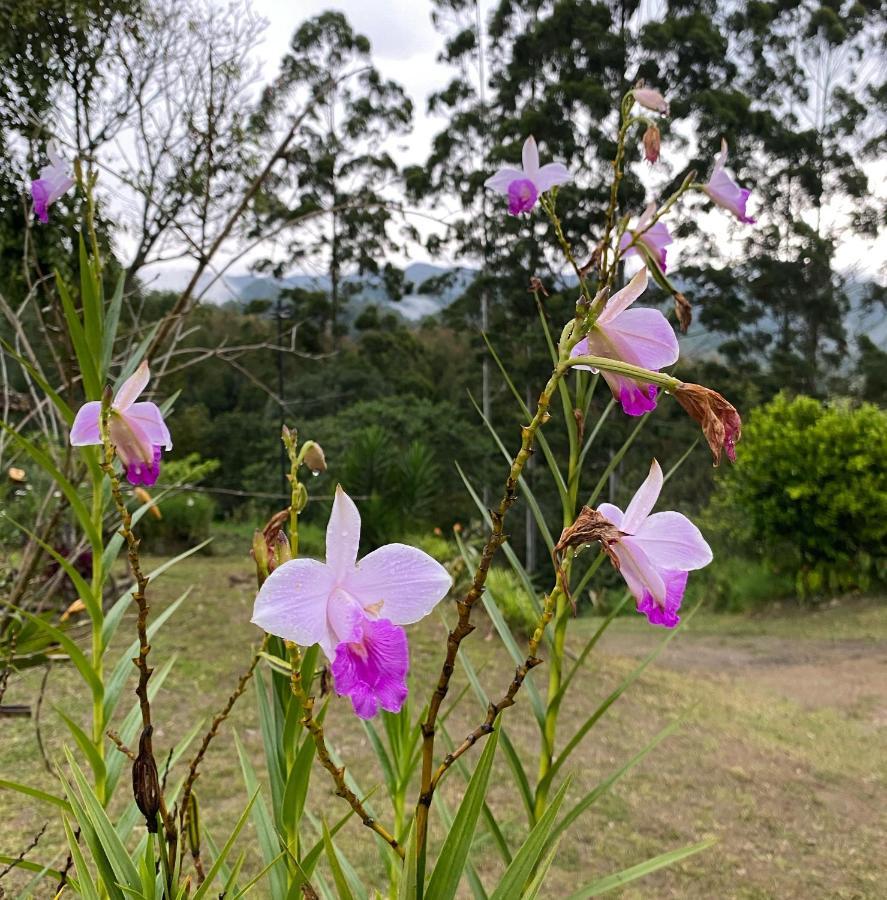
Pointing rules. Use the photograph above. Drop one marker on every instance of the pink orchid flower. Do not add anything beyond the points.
(137, 430)
(523, 186)
(654, 239)
(656, 552)
(54, 181)
(641, 337)
(725, 192)
(651, 99)
(353, 609)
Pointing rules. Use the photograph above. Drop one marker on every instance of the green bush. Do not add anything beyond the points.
(737, 584)
(512, 600)
(808, 494)
(186, 520)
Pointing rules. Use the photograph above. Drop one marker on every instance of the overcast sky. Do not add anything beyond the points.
(405, 46)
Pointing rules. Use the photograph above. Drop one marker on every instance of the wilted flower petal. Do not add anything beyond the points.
(721, 423)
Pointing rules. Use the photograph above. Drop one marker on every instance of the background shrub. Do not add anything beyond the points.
(808, 494)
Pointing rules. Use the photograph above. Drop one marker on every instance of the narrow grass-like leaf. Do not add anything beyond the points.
(595, 431)
(27, 866)
(446, 818)
(96, 763)
(124, 667)
(630, 679)
(91, 300)
(112, 319)
(74, 652)
(78, 507)
(336, 866)
(524, 862)
(297, 784)
(453, 855)
(85, 358)
(407, 888)
(619, 879)
(122, 603)
(117, 854)
(541, 440)
(86, 887)
(65, 411)
(616, 459)
(533, 888)
(266, 833)
(204, 888)
(36, 793)
(604, 786)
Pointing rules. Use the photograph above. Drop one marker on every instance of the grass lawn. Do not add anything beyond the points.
(782, 754)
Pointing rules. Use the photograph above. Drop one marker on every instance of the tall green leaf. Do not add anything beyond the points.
(453, 855)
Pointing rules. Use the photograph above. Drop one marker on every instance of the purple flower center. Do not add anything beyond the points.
(40, 194)
(372, 670)
(522, 196)
(146, 473)
(637, 400)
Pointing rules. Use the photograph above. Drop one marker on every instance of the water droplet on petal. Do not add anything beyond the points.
(315, 472)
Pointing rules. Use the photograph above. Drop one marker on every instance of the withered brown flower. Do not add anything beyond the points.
(719, 419)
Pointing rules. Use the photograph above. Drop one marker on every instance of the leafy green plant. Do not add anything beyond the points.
(809, 492)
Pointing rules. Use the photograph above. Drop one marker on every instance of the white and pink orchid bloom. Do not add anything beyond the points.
(725, 192)
(136, 430)
(642, 337)
(651, 99)
(656, 552)
(654, 239)
(523, 186)
(354, 609)
(54, 181)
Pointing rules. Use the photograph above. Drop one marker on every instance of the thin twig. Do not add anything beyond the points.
(21, 857)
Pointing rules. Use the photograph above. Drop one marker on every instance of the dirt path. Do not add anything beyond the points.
(848, 675)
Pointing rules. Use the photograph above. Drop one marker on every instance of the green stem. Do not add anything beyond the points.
(648, 376)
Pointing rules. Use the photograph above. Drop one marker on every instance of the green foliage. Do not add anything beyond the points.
(809, 491)
(736, 583)
(513, 600)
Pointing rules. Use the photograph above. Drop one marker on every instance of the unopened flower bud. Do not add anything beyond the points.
(313, 457)
(260, 554)
(719, 419)
(651, 99)
(651, 144)
(282, 551)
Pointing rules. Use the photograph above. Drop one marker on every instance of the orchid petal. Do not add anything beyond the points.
(292, 603)
(132, 387)
(550, 175)
(130, 440)
(342, 534)
(85, 430)
(344, 618)
(667, 614)
(644, 500)
(642, 337)
(530, 157)
(149, 417)
(373, 671)
(671, 541)
(611, 513)
(399, 583)
(621, 300)
(503, 178)
(639, 573)
(636, 398)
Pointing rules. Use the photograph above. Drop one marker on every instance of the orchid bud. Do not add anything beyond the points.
(651, 99)
(260, 554)
(313, 457)
(282, 551)
(651, 144)
(718, 418)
